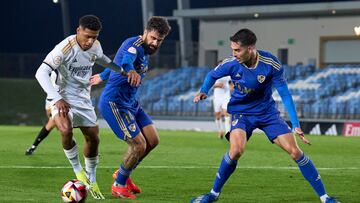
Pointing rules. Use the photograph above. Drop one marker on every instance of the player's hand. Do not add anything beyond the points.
(300, 133)
(199, 96)
(63, 107)
(134, 78)
(95, 79)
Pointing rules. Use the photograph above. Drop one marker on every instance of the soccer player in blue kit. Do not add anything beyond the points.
(251, 106)
(121, 109)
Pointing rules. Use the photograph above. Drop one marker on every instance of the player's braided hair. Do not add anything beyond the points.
(91, 22)
(245, 36)
(160, 24)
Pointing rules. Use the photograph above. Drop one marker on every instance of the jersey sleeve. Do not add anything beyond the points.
(126, 56)
(218, 72)
(55, 58)
(105, 74)
(98, 49)
(289, 104)
(278, 75)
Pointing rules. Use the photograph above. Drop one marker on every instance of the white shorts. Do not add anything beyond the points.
(220, 103)
(47, 105)
(81, 113)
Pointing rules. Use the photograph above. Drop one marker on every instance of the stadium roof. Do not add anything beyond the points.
(272, 11)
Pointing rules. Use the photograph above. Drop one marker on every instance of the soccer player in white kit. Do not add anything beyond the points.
(221, 99)
(71, 106)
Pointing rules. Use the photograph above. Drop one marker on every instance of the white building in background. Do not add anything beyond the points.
(317, 33)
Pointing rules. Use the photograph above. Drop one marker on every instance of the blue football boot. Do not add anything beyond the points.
(205, 198)
(331, 200)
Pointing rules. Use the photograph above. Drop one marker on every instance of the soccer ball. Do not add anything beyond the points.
(73, 191)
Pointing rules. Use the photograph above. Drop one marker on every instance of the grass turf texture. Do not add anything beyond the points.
(181, 167)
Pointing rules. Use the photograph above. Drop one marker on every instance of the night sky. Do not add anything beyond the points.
(35, 26)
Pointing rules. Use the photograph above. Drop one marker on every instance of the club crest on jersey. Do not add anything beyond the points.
(132, 127)
(132, 50)
(261, 78)
(93, 58)
(57, 60)
(234, 122)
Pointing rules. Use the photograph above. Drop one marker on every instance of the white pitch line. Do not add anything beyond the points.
(180, 167)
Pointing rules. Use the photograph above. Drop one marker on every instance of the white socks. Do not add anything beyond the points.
(215, 193)
(219, 125)
(323, 198)
(90, 167)
(73, 156)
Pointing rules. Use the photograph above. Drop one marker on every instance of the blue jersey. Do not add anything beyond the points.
(130, 56)
(252, 93)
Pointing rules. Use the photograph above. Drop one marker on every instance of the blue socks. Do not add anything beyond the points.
(123, 175)
(310, 173)
(227, 167)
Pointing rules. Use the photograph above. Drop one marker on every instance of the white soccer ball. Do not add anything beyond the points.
(73, 191)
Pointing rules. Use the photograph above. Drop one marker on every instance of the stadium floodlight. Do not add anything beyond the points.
(357, 30)
(56, 1)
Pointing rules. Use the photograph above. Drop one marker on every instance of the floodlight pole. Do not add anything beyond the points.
(65, 17)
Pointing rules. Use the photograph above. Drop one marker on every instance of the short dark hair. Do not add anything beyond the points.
(91, 22)
(160, 24)
(245, 36)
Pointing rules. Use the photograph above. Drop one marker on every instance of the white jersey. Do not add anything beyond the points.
(74, 67)
(53, 77)
(225, 91)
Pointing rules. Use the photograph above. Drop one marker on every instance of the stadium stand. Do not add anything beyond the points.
(332, 92)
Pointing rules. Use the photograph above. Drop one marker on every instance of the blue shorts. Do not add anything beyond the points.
(123, 122)
(271, 123)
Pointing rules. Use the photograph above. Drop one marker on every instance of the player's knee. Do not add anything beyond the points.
(154, 142)
(94, 139)
(236, 153)
(65, 130)
(295, 153)
(140, 149)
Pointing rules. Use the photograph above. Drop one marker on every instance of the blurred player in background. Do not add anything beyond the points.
(71, 106)
(251, 106)
(47, 128)
(222, 93)
(120, 108)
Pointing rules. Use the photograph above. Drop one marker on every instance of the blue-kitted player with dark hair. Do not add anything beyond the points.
(120, 108)
(253, 73)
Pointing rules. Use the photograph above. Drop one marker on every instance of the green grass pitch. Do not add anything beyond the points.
(181, 167)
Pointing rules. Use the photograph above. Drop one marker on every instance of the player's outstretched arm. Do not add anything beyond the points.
(289, 104)
(105, 61)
